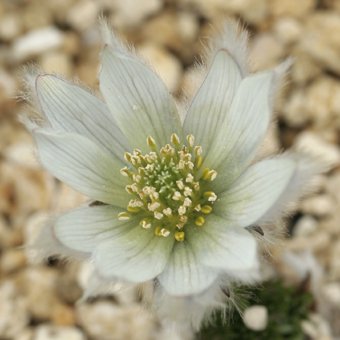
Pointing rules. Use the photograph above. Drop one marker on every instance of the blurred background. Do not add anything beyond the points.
(38, 300)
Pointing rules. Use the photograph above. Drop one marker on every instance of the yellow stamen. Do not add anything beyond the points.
(209, 175)
(191, 140)
(151, 142)
(175, 139)
(206, 209)
(179, 236)
(123, 216)
(200, 221)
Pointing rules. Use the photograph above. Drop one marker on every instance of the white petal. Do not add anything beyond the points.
(136, 256)
(213, 100)
(244, 127)
(81, 164)
(234, 39)
(138, 99)
(46, 244)
(70, 108)
(184, 274)
(220, 245)
(255, 192)
(81, 229)
(306, 167)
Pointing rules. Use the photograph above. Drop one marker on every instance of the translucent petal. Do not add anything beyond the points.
(184, 274)
(220, 245)
(255, 191)
(137, 98)
(242, 130)
(82, 165)
(81, 229)
(213, 100)
(70, 108)
(233, 38)
(136, 256)
(306, 167)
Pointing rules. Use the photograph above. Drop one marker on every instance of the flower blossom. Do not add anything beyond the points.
(181, 203)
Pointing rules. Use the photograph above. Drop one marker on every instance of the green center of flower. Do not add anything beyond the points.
(168, 187)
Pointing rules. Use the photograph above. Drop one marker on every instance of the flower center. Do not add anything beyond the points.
(168, 188)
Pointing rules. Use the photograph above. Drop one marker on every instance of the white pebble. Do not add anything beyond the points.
(256, 317)
(37, 42)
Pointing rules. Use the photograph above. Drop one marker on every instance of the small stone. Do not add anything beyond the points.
(167, 65)
(63, 315)
(321, 205)
(21, 153)
(51, 332)
(335, 261)
(323, 103)
(310, 142)
(294, 112)
(10, 27)
(256, 317)
(331, 291)
(274, 51)
(288, 30)
(305, 226)
(8, 86)
(129, 13)
(321, 39)
(32, 283)
(36, 42)
(13, 313)
(188, 26)
(304, 68)
(26, 334)
(104, 320)
(291, 8)
(12, 260)
(56, 62)
(83, 14)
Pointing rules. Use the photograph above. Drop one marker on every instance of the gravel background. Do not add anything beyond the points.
(38, 301)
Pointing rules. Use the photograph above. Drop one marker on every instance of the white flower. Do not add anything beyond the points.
(177, 203)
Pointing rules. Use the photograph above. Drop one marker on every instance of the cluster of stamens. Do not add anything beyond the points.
(168, 187)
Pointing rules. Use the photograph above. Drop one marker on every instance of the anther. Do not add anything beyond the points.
(132, 209)
(187, 191)
(127, 156)
(158, 215)
(210, 195)
(179, 236)
(175, 139)
(123, 216)
(206, 209)
(191, 140)
(153, 206)
(182, 210)
(164, 232)
(151, 142)
(198, 161)
(198, 150)
(176, 196)
(180, 184)
(200, 220)
(129, 189)
(167, 212)
(145, 224)
(125, 172)
(135, 203)
(189, 178)
(187, 202)
(209, 175)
